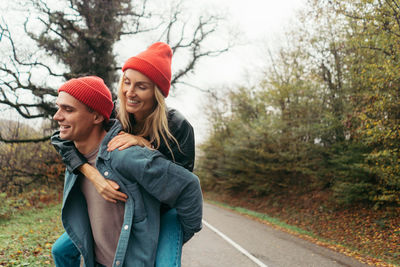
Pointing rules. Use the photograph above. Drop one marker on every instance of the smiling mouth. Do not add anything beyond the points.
(64, 127)
(130, 101)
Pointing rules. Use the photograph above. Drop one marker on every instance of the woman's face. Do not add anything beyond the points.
(138, 91)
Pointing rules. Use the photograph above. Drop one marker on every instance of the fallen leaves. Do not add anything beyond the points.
(27, 238)
(368, 235)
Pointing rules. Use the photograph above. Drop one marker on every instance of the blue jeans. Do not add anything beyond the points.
(169, 249)
(170, 241)
(64, 252)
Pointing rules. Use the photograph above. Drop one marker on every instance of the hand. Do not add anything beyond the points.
(108, 189)
(124, 140)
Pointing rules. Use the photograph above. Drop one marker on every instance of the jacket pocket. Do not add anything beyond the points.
(139, 211)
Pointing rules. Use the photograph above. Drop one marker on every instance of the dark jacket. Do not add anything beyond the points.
(179, 127)
(148, 178)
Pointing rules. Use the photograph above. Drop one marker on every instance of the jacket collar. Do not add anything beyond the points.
(115, 128)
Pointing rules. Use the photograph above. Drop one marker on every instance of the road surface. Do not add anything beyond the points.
(231, 240)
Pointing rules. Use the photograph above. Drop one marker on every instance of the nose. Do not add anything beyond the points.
(131, 91)
(57, 116)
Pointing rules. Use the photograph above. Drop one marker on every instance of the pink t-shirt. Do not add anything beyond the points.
(106, 218)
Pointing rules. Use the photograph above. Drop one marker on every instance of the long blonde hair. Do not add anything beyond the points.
(155, 125)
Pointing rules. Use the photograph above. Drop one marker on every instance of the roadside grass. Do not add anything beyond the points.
(26, 237)
(265, 218)
(371, 256)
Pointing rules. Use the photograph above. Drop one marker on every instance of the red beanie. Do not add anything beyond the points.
(91, 91)
(155, 63)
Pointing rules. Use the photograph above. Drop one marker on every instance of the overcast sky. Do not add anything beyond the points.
(262, 23)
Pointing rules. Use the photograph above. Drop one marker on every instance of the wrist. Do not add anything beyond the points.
(88, 171)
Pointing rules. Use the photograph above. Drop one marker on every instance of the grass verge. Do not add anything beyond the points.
(27, 237)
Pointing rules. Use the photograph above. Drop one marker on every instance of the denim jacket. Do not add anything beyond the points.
(148, 179)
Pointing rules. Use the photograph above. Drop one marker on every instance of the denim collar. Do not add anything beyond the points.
(115, 128)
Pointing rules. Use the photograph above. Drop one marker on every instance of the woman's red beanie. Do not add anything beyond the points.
(155, 63)
(91, 91)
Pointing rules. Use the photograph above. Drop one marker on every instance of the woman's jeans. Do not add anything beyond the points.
(169, 250)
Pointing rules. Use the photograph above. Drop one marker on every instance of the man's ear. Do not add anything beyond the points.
(98, 118)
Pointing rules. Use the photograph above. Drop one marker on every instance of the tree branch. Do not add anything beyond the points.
(32, 140)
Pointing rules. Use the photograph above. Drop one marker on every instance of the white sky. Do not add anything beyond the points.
(261, 23)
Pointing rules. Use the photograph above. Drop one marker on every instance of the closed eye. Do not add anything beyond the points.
(143, 85)
(66, 108)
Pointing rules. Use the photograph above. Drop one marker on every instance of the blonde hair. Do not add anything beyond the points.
(156, 124)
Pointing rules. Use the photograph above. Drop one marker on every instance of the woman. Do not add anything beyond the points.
(142, 111)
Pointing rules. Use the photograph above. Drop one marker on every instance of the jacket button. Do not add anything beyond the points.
(126, 227)
(117, 263)
(106, 173)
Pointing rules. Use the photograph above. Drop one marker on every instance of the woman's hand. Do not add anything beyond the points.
(124, 140)
(108, 189)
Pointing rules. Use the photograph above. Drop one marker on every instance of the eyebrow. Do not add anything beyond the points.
(64, 106)
(144, 82)
(149, 83)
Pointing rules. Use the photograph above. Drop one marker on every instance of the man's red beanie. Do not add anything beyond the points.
(155, 63)
(91, 91)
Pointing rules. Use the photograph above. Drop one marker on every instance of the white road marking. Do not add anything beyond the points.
(235, 245)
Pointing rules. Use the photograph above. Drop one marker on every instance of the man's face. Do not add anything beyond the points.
(75, 120)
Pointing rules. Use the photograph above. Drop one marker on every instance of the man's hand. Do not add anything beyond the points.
(108, 189)
(124, 140)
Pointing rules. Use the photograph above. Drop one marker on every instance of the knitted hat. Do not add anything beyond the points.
(91, 91)
(155, 63)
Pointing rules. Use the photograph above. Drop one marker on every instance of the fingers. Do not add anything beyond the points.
(113, 144)
(109, 199)
(114, 196)
(113, 184)
(109, 191)
(122, 141)
(114, 193)
(126, 145)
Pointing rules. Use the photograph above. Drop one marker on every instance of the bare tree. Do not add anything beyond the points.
(78, 39)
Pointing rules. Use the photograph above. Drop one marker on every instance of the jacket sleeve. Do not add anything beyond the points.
(168, 182)
(70, 155)
(182, 130)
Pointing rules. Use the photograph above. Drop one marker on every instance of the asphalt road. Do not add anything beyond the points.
(237, 241)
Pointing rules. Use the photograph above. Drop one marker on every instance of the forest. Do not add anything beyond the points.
(325, 115)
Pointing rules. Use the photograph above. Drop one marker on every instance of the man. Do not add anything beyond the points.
(125, 234)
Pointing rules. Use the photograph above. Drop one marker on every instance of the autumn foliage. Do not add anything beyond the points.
(32, 173)
(325, 115)
(324, 120)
